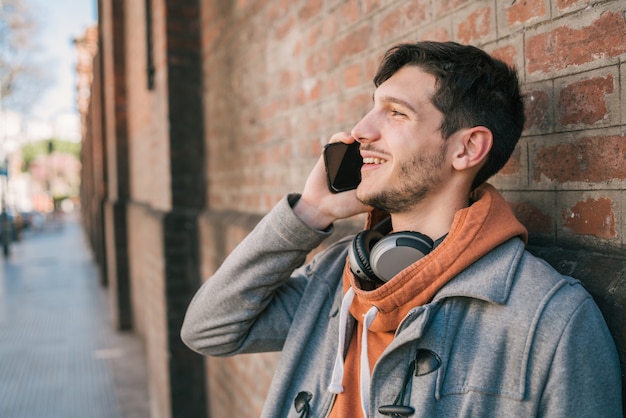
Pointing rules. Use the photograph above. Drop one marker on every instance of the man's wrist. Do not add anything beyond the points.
(311, 215)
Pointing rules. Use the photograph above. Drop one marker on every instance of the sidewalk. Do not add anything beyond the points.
(59, 354)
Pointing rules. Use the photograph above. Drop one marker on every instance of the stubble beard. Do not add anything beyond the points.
(419, 177)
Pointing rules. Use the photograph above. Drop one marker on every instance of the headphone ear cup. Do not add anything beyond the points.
(359, 254)
(395, 252)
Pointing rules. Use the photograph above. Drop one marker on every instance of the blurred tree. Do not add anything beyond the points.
(19, 76)
(32, 150)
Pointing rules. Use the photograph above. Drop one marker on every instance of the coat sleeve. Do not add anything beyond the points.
(249, 303)
(585, 377)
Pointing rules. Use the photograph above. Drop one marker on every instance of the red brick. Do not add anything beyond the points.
(438, 34)
(332, 25)
(477, 25)
(564, 46)
(594, 159)
(275, 11)
(310, 10)
(310, 90)
(370, 5)
(352, 75)
(532, 217)
(506, 53)
(536, 104)
(441, 7)
(315, 92)
(315, 147)
(404, 16)
(591, 217)
(350, 12)
(212, 33)
(331, 85)
(584, 101)
(281, 30)
(525, 10)
(371, 65)
(314, 35)
(241, 4)
(351, 110)
(351, 44)
(514, 164)
(564, 4)
(287, 78)
(317, 63)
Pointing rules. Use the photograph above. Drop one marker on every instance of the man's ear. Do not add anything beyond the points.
(472, 148)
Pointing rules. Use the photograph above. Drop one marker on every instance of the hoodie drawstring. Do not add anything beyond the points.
(337, 377)
(336, 383)
(365, 363)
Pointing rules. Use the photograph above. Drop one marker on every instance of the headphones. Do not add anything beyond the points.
(377, 256)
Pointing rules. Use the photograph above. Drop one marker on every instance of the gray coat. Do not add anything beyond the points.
(508, 337)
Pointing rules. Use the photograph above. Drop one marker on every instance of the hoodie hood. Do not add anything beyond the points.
(475, 231)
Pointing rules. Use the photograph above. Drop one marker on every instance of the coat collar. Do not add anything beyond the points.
(490, 278)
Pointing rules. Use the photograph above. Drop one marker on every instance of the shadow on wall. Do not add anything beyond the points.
(604, 277)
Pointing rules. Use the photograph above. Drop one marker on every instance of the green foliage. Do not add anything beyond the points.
(31, 151)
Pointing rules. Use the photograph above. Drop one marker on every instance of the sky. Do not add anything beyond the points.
(60, 22)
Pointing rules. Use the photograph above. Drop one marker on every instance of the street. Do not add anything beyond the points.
(59, 354)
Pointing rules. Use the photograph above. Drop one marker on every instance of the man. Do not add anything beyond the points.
(472, 326)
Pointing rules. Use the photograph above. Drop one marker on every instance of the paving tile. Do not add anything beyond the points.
(59, 356)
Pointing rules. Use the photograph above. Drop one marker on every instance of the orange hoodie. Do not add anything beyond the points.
(475, 231)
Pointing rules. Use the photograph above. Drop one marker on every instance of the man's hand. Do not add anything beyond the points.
(318, 207)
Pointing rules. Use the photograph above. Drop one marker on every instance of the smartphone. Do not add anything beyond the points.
(343, 166)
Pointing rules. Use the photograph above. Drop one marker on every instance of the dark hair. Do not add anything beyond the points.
(473, 89)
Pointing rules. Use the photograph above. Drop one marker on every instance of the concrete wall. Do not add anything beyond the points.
(245, 93)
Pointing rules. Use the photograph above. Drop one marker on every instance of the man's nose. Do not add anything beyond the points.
(365, 130)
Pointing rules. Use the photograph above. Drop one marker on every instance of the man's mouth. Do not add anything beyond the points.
(373, 160)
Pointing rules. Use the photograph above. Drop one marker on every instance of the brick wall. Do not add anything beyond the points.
(281, 77)
(92, 160)
(151, 117)
(237, 98)
(115, 146)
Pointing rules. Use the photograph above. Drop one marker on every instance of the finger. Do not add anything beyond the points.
(342, 137)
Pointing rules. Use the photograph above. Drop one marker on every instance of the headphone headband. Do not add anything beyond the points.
(377, 257)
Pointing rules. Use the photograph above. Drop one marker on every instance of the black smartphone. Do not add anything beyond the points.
(343, 166)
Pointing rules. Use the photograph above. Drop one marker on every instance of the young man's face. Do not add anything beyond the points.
(405, 155)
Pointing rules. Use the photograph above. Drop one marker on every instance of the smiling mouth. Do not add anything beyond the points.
(373, 160)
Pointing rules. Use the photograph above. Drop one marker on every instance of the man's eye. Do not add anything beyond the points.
(397, 113)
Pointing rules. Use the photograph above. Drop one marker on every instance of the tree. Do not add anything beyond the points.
(31, 151)
(19, 77)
